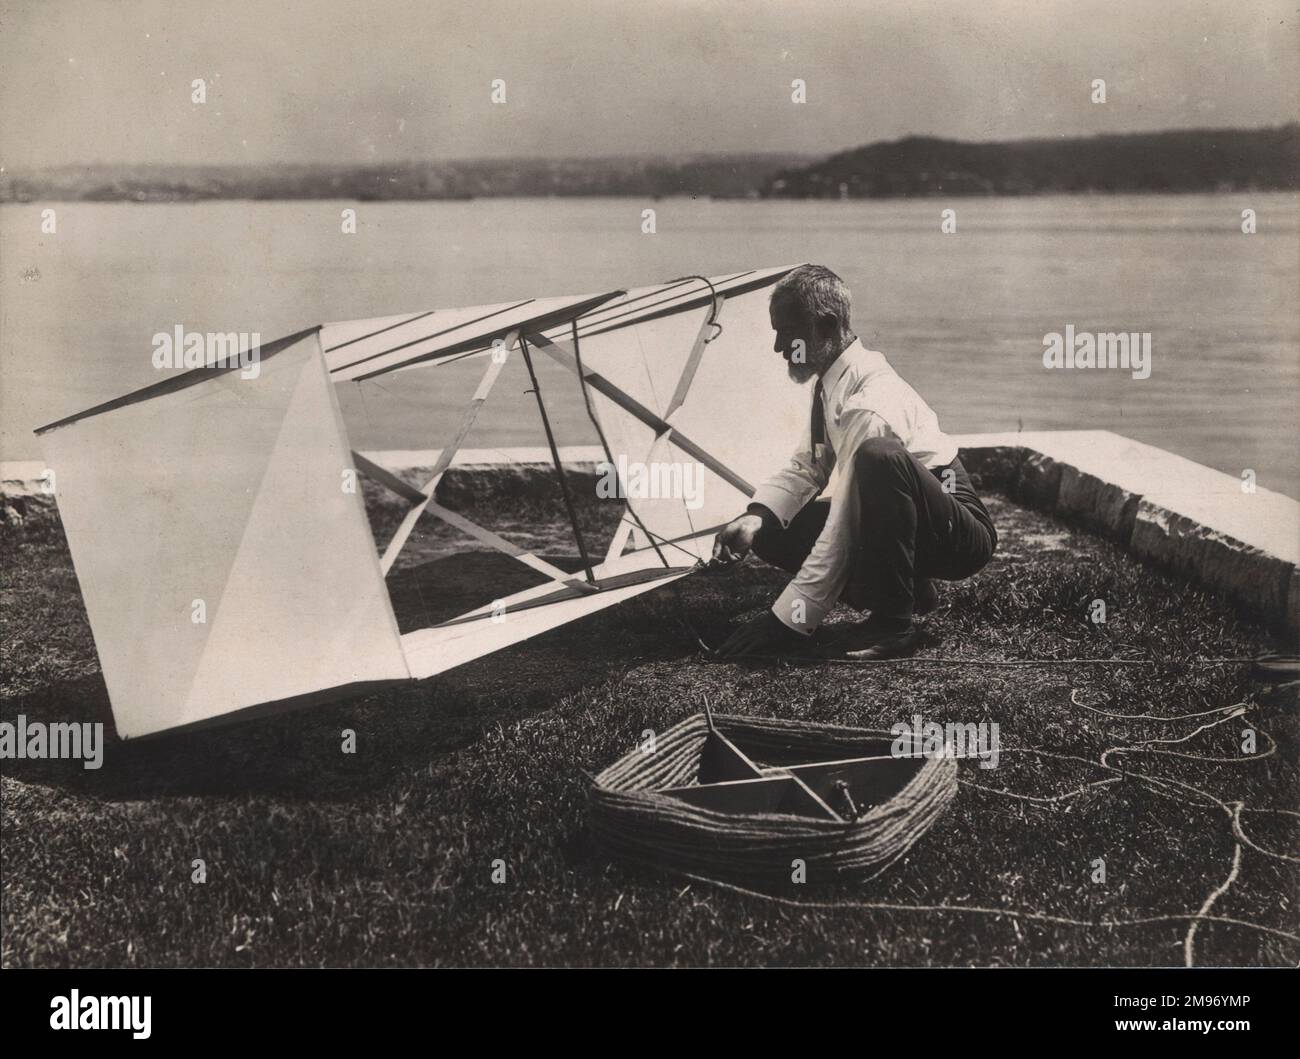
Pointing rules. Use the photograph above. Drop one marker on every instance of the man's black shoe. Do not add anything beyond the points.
(875, 639)
(878, 640)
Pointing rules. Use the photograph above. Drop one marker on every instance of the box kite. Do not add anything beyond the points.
(215, 487)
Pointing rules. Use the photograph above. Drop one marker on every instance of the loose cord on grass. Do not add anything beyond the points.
(711, 655)
(1010, 913)
(1162, 786)
(1156, 785)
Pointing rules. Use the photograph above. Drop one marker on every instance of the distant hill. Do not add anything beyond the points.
(1185, 160)
(724, 176)
(1191, 160)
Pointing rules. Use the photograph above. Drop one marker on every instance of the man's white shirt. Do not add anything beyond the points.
(863, 398)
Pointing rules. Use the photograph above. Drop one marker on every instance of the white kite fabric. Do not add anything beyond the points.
(226, 566)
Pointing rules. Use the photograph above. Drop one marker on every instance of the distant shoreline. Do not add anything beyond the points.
(1176, 162)
(590, 196)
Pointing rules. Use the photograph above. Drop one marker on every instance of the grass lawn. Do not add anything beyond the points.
(316, 857)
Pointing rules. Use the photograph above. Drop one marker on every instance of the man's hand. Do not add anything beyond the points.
(764, 635)
(736, 538)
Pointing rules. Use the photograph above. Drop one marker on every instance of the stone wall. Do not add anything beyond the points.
(1163, 508)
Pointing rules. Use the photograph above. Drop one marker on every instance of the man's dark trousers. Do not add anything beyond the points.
(909, 527)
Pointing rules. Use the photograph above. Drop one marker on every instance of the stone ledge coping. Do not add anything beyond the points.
(1162, 507)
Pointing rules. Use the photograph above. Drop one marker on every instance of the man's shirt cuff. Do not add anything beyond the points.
(797, 612)
(782, 504)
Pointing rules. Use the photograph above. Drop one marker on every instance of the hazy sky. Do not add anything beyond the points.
(377, 80)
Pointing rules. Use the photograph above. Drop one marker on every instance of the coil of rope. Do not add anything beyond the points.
(633, 819)
(629, 820)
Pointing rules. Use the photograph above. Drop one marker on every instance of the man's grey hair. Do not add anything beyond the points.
(818, 292)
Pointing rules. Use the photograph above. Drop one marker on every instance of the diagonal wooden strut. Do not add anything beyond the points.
(387, 478)
(560, 352)
(575, 589)
(684, 381)
(495, 364)
(619, 542)
(422, 499)
(454, 518)
(526, 557)
(702, 339)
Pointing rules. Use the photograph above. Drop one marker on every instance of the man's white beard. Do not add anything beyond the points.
(815, 364)
(800, 373)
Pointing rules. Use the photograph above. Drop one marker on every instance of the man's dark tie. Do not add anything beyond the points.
(818, 419)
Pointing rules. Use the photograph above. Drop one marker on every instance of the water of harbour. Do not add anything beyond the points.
(962, 316)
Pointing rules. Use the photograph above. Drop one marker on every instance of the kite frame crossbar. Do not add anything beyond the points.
(422, 499)
(501, 354)
(562, 353)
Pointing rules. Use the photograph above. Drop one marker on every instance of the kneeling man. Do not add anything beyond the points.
(902, 510)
